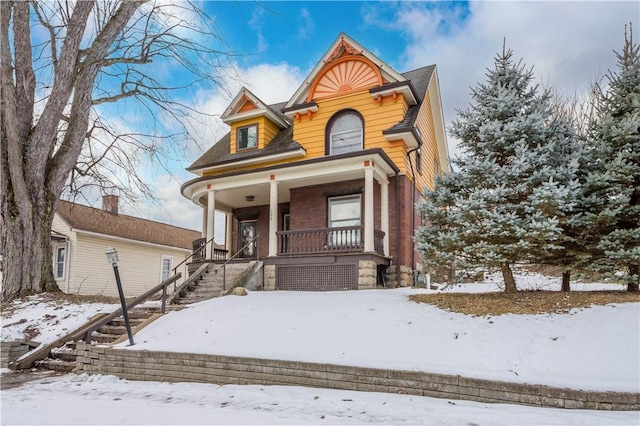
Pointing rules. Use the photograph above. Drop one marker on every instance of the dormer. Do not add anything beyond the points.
(253, 123)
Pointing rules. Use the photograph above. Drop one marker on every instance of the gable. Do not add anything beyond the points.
(345, 49)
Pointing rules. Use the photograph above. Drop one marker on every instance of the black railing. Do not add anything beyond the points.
(237, 254)
(323, 240)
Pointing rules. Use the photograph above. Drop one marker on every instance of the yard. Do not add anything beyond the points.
(569, 344)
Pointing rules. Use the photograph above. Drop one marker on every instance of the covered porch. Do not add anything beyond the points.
(330, 206)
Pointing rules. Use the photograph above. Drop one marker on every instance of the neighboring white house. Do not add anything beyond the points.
(148, 250)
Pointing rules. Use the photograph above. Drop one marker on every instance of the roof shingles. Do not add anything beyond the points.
(100, 221)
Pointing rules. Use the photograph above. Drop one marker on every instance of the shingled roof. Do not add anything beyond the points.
(220, 152)
(100, 221)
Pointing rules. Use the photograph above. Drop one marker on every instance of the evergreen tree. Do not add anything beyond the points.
(506, 201)
(612, 184)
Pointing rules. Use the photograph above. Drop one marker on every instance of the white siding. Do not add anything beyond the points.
(139, 266)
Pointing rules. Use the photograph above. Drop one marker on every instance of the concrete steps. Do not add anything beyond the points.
(63, 359)
(211, 285)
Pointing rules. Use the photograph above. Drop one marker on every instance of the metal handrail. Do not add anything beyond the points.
(224, 265)
(204, 246)
(132, 304)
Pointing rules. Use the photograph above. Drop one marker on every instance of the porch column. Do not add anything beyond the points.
(204, 222)
(273, 217)
(384, 215)
(211, 219)
(368, 207)
(229, 234)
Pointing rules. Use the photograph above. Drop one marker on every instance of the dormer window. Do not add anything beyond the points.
(344, 133)
(247, 137)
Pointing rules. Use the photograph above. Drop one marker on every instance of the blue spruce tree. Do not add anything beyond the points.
(511, 189)
(611, 190)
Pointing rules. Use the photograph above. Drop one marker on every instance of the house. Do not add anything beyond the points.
(322, 188)
(148, 250)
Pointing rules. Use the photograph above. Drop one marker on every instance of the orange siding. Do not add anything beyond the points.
(310, 132)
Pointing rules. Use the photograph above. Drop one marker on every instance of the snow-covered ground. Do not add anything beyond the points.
(597, 348)
(100, 400)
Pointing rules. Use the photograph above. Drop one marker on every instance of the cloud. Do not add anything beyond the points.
(568, 44)
(305, 22)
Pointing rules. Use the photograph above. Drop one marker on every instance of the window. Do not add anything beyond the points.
(247, 137)
(58, 266)
(344, 133)
(345, 212)
(167, 265)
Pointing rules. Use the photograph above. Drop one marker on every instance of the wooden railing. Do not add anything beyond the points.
(200, 252)
(323, 240)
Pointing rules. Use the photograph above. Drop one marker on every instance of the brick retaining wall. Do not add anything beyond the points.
(11, 351)
(203, 368)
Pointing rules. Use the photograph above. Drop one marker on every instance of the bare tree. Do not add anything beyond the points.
(64, 66)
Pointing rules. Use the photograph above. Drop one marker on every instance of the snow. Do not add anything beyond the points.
(583, 349)
(86, 400)
(51, 319)
(597, 348)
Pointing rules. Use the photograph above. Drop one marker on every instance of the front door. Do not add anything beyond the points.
(247, 244)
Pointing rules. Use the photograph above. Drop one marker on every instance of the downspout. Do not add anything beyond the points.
(413, 203)
(398, 246)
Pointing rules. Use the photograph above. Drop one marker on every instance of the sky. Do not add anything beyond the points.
(569, 44)
(581, 349)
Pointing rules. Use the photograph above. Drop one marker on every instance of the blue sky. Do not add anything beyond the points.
(569, 45)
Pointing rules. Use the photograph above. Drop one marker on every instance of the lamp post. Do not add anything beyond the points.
(112, 256)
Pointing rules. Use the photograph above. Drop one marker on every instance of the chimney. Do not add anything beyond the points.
(110, 204)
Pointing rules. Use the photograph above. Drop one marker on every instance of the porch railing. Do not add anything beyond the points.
(200, 252)
(326, 240)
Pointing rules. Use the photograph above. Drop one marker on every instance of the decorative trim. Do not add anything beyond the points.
(344, 75)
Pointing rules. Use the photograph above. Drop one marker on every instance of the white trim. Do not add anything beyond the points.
(230, 116)
(263, 159)
(162, 259)
(438, 122)
(408, 137)
(302, 110)
(405, 90)
(331, 167)
(56, 261)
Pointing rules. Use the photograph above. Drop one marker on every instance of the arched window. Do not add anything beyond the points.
(344, 133)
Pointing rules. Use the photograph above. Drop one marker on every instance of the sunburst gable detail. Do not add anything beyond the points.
(343, 75)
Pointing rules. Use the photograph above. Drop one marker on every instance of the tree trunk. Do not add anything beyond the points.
(566, 277)
(634, 278)
(27, 254)
(509, 281)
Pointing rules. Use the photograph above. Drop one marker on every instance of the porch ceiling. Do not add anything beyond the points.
(232, 189)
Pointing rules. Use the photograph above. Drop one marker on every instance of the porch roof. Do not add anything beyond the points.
(232, 188)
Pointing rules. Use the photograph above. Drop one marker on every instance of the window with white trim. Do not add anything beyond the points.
(247, 137)
(345, 211)
(345, 133)
(167, 265)
(60, 262)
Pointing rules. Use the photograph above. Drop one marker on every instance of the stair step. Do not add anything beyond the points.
(57, 365)
(117, 322)
(139, 314)
(103, 338)
(117, 330)
(69, 356)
